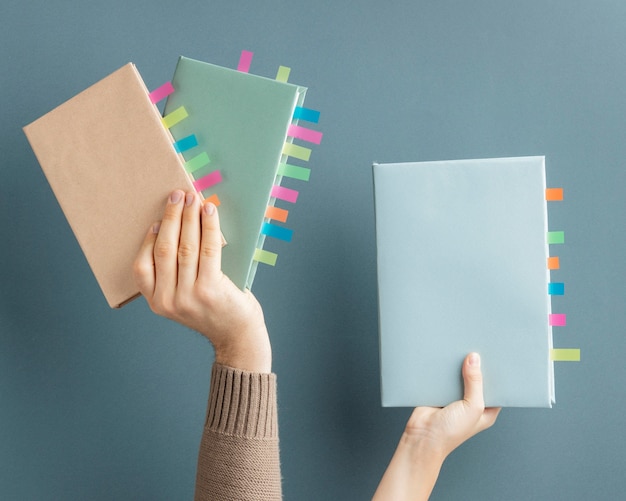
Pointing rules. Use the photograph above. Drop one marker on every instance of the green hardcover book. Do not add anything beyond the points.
(237, 139)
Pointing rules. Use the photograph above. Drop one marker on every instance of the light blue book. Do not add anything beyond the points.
(461, 254)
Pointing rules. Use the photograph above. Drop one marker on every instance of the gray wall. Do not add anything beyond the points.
(100, 404)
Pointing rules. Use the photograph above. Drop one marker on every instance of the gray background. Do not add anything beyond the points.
(100, 404)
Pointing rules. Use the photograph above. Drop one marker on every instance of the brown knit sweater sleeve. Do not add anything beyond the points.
(238, 458)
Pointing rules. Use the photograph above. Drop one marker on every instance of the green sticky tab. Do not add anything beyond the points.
(294, 172)
(265, 257)
(556, 237)
(197, 162)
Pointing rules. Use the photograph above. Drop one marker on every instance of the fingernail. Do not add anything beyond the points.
(474, 359)
(189, 198)
(209, 208)
(176, 196)
(156, 227)
(224, 242)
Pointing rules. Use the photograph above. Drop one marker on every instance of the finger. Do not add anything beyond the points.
(473, 381)
(489, 416)
(210, 265)
(143, 267)
(189, 245)
(166, 246)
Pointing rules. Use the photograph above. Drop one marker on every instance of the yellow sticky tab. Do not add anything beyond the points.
(565, 354)
(283, 74)
(174, 117)
(296, 151)
(265, 257)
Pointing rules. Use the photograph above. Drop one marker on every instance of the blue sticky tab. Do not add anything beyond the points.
(271, 230)
(556, 288)
(307, 114)
(185, 143)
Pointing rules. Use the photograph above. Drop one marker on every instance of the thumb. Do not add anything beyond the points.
(473, 381)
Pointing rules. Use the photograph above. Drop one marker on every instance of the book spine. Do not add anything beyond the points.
(293, 155)
(558, 288)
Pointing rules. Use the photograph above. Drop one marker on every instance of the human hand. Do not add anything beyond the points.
(431, 434)
(440, 431)
(178, 271)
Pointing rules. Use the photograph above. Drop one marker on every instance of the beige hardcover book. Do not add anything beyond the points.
(111, 164)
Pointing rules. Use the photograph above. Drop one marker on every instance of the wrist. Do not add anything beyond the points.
(412, 472)
(251, 357)
(424, 450)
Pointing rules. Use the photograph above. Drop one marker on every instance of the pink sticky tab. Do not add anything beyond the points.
(286, 194)
(312, 136)
(244, 61)
(207, 181)
(557, 319)
(161, 93)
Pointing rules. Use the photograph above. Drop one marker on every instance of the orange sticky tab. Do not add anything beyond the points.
(553, 263)
(554, 194)
(214, 199)
(277, 214)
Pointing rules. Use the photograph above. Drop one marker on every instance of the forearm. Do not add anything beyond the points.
(239, 455)
(411, 474)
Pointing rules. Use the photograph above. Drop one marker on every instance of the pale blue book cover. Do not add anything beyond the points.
(461, 256)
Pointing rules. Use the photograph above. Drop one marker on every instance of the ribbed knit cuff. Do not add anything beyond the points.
(242, 403)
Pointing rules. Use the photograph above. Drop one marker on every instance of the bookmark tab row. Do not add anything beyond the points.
(558, 288)
(187, 143)
(275, 214)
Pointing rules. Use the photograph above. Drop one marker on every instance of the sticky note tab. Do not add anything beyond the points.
(174, 117)
(307, 114)
(294, 171)
(283, 73)
(186, 143)
(271, 230)
(161, 93)
(297, 151)
(244, 61)
(556, 288)
(553, 263)
(214, 199)
(207, 181)
(565, 354)
(197, 162)
(286, 194)
(276, 213)
(309, 135)
(265, 257)
(556, 237)
(554, 194)
(557, 319)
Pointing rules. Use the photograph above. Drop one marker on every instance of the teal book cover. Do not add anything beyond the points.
(463, 255)
(236, 133)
